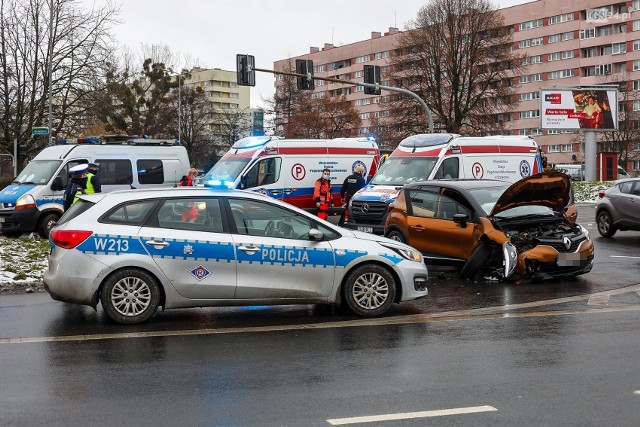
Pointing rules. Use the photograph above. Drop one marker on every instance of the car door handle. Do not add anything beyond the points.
(249, 249)
(276, 192)
(157, 243)
(418, 227)
(288, 191)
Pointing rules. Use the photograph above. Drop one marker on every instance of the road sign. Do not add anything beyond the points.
(40, 131)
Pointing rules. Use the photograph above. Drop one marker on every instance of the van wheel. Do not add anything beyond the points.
(46, 224)
(397, 236)
(369, 290)
(130, 296)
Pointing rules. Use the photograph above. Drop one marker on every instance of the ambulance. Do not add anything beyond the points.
(440, 156)
(33, 201)
(287, 169)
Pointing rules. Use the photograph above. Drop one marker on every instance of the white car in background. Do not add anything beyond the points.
(136, 250)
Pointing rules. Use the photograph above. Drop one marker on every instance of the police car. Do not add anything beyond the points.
(136, 250)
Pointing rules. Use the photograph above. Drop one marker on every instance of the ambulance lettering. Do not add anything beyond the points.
(284, 255)
(111, 245)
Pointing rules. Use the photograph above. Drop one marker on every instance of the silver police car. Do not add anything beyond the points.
(136, 250)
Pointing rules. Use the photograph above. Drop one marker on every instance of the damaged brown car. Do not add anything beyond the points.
(523, 231)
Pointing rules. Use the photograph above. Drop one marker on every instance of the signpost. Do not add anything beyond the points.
(39, 131)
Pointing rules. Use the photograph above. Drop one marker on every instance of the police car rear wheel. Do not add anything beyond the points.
(369, 290)
(130, 296)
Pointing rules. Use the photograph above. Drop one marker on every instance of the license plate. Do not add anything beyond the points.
(569, 260)
(1, 219)
(366, 229)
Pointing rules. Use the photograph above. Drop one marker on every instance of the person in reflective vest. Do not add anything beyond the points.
(93, 180)
(322, 194)
(77, 185)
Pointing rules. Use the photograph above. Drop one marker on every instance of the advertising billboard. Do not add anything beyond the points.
(579, 108)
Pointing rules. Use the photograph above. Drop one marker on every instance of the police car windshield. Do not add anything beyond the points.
(38, 172)
(403, 170)
(227, 169)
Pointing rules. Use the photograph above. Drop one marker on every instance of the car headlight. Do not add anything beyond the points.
(585, 231)
(510, 258)
(405, 252)
(25, 202)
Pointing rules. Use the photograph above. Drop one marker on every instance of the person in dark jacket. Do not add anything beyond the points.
(350, 186)
(77, 185)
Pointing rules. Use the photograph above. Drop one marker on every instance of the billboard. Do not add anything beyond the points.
(579, 108)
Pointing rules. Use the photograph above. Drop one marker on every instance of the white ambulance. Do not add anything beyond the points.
(441, 156)
(287, 169)
(33, 201)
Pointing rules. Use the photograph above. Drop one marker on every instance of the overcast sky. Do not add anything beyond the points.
(212, 32)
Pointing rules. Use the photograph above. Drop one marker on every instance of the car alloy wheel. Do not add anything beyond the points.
(370, 290)
(605, 224)
(130, 296)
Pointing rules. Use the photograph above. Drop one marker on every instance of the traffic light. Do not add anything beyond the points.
(372, 76)
(304, 66)
(22, 150)
(245, 66)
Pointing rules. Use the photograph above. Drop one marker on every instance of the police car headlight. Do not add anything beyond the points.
(26, 201)
(405, 252)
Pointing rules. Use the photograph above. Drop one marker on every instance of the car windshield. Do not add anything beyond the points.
(226, 169)
(38, 172)
(399, 171)
(487, 198)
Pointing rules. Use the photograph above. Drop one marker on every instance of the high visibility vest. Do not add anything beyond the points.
(322, 194)
(89, 189)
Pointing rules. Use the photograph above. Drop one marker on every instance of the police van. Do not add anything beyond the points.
(287, 169)
(440, 156)
(33, 201)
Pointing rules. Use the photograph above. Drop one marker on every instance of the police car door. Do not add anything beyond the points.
(186, 239)
(276, 257)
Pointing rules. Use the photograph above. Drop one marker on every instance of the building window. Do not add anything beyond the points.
(359, 88)
(568, 36)
(536, 59)
(553, 132)
(603, 69)
(635, 165)
(524, 132)
(636, 65)
(233, 84)
(529, 96)
(537, 77)
(636, 85)
(636, 25)
(555, 56)
(361, 59)
(567, 54)
(561, 74)
(536, 42)
(587, 33)
(636, 105)
(617, 48)
(378, 55)
(605, 31)
(555, 148)
(531, 24)
(525, 79)
(359, 74)
(529, 114)
(558, 19)
(364, 116)
(524, 43)
(566, 148)
(524, 61)
(554, 38)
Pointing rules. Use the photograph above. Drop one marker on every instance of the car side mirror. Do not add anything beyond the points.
(315, 234)
(56, 185)
(243, 182)
(461, 219)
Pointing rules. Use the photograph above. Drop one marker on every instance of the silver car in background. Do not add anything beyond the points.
(192, 247)
(618, 207)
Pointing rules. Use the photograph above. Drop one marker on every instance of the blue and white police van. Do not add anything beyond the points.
(33, 201)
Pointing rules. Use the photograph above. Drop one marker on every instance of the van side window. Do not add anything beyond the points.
(422, 204)
(449, 169)
(265, 172)
(150, 171)
(64, 172)
(115, 171)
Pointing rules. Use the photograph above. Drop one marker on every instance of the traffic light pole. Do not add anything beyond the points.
(309, 76)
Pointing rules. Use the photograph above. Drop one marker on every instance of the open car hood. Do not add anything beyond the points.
(551, 189)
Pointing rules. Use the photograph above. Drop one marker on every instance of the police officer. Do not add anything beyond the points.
(93, 180)
(78, 184)
(322, 194)
(350, 186)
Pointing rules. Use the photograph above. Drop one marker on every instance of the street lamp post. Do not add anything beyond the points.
(50, 67)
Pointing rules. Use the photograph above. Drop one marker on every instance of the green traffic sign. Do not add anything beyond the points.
(40, 131)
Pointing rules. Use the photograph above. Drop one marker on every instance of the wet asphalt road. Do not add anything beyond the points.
(554, 353)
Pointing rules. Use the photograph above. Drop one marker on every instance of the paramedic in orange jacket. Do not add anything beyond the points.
(322, 194)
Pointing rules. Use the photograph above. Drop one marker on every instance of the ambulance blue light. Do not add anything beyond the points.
(371, 138)
(251, 142)
(218, 184)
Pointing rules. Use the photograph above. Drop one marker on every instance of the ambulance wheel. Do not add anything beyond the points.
(369, 290)
(46, 224)
(130, 296)
(397, 236)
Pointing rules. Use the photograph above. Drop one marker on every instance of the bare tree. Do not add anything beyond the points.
(80, 51)
(456, 56)
(286, 100)
(330, 117)
(229, 126)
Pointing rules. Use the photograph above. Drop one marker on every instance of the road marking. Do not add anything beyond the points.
(410, 415)
(598, 300)
(624, 256)
(637, 392)
(450, 316)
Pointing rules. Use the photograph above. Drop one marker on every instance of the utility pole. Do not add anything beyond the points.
(50, 68)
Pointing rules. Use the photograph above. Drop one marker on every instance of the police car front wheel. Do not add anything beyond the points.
(130, 296)
(369, 290)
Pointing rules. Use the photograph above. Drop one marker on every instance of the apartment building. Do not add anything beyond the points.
(576, 43)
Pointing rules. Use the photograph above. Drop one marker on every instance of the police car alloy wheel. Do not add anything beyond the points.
(369, 290)
(130, 296)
